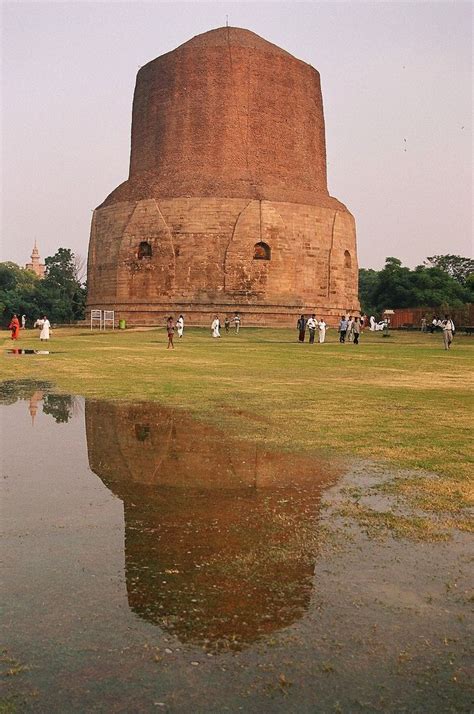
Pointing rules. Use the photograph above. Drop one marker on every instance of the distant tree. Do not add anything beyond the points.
(368, 280)
(62, 294)
(397, 287)
(80, 268)
(18, 292)
(456, 266)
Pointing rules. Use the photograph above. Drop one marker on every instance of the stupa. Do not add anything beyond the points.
(226, 207)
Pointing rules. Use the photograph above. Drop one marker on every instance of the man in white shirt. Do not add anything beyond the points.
(448, 331)
(350, 327)
(311, 325)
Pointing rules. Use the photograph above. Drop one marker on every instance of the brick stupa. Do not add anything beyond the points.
(226, 207)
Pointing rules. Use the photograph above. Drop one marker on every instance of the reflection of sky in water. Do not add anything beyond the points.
(120, 585)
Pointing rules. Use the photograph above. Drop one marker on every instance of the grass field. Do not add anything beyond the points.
(401, 400)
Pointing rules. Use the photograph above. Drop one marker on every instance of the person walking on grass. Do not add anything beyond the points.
(356, 330)
(301, 327)
(311, 325)
(44, 324)
(215, 327)
(170, 331)
(14, 326)
(322, 331)
(227, 324)
(350, 325)
(448, 332)
(342, 329)
(180, 326)
(236, 321)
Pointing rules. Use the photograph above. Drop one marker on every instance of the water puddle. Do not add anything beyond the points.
(153, 561)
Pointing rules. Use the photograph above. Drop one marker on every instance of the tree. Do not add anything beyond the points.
(456, 266)
(397, 287)
(62, 294)
(367, 282)
(18, 292)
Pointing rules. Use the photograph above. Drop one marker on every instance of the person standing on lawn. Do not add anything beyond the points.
(45, 325)
(301, 327)
(342, 329)
(356, 330)
(170, 331)
(350, 325)
(215, 327)
(311, 325)
(236, 321)
(14, 326)
(322, 331)
(448, 332)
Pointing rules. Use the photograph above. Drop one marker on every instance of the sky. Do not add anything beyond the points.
(397, 90)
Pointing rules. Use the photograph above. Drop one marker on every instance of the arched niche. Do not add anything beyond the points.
(144, 250)
(261, 251)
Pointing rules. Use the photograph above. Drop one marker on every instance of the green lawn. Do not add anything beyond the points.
(401, 399)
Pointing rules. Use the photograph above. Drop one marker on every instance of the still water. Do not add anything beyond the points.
(152, 562)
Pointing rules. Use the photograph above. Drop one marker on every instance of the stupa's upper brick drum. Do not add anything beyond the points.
(226, 207)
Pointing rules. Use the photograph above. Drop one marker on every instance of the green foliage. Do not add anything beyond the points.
(18, 292)
(367, 282)
(59, 295)
(397, 286)
(459, 268)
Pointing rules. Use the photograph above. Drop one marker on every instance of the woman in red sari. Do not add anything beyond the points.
(14, 326)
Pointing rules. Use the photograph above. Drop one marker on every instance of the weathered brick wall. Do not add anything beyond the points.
(203, 260)
(228, 150)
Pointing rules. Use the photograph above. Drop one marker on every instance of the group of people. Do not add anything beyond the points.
(228, 323)
(43, 324)
(349, 328)
(436, 324)
(178, 326)
(311, 324)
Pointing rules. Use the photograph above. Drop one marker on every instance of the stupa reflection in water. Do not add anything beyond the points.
(220, 535)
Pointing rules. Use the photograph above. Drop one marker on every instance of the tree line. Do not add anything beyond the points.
(443, 282)
(61, 294)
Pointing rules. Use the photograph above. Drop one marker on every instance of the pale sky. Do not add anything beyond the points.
(397, 90)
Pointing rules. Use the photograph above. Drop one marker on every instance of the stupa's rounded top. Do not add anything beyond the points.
(235, 36)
